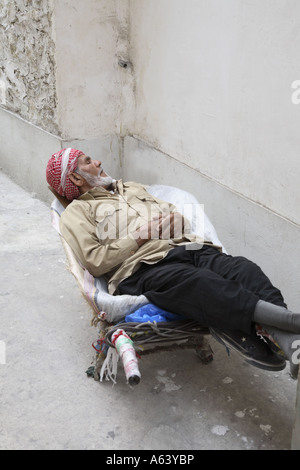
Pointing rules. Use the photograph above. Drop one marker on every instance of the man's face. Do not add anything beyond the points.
(93, 172)
(90, 166)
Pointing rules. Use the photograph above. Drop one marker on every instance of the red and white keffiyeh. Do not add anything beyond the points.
(59, 166)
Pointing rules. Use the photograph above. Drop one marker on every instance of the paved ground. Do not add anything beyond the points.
(46, 399)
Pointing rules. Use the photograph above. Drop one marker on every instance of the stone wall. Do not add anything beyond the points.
(27, 62)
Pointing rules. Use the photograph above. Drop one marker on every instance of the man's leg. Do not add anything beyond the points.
(270, 311)
(178, 286)
(276, 316)
(240, 269)
(198, 292)
(271, 308)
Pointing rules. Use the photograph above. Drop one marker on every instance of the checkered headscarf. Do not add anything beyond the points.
(59, 166)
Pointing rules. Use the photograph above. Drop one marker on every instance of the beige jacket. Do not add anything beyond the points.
(99, 226)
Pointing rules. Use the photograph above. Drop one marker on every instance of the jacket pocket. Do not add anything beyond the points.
(107, 224)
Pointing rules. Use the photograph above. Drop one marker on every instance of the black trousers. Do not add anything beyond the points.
(216, 289)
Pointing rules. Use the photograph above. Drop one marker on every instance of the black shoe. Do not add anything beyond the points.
(251, 347)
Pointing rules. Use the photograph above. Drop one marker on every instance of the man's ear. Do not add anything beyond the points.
(76, 179)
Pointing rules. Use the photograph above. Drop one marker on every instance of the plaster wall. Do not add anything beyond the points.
(25, 150)
(213, 89)
(93, 91)
(27, 62)
(61, 84)
(244, 227)
(59, 65)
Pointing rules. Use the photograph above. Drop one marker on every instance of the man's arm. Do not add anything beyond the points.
(163, 227)
(97, 257)
(100, 257)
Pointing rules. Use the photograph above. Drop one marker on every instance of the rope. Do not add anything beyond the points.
(149, 332)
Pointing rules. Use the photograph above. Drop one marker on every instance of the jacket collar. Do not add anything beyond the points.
(95, 193)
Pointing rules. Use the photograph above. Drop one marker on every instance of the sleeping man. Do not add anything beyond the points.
(142, 245)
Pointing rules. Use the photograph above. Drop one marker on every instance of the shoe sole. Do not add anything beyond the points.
(254, 362)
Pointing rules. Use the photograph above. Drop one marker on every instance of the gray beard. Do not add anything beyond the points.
(95, 181)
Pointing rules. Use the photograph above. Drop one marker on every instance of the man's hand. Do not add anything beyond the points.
(171, 226)
(164, 226)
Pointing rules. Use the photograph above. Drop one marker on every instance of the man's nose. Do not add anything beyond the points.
(97, 163)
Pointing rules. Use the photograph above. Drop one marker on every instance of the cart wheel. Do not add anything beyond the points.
(204, 351)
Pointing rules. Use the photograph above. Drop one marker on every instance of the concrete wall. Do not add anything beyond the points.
(60, 65)
(217, 113)
(93, 93)
(296, 430)
(213, 90)
(244, 227)
(25, 150)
